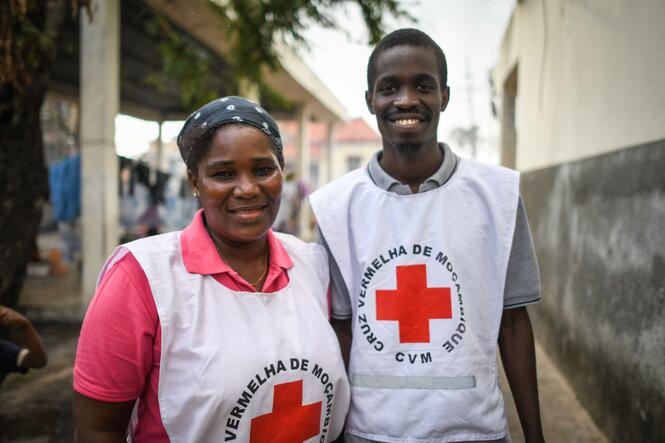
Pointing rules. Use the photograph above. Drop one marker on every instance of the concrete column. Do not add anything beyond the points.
(249, 90)
(99, 95)
(329, 153)
(508, 129)
(159, 153)
(302, 167)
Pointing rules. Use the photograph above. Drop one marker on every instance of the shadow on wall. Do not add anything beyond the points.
(599, 231)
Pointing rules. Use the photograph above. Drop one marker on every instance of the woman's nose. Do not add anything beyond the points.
(245, 187)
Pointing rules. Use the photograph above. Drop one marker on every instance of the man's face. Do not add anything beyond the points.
(408, 97)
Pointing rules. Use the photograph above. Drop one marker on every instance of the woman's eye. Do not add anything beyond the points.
(264, 170)
(223, 174)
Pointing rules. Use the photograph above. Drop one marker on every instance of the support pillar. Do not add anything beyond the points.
(302, 168)
(508, 119)
(329, 153)
(249, 90)
(159, 151)
(99, 95)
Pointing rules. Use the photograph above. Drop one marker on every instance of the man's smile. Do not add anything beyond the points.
(407, 122)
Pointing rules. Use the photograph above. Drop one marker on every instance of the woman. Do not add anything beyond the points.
(218, 332)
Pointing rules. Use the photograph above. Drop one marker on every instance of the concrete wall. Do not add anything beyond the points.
(590, 77)
(343, 151)
(599, 230)
(583, 117)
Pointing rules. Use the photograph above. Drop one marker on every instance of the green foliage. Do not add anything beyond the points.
(256, 25)
(24, 41)
(28, 31)
(186, 64)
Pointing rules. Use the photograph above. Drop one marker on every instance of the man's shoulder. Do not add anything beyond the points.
(482, 166)
(484, 170)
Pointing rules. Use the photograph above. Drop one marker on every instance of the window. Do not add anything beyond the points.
(353, 162)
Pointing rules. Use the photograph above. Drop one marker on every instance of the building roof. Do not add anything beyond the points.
(352, 131)
(356, 131)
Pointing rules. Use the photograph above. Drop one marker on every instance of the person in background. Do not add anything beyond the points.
(218, 332)
(15, 358)
(432, 264)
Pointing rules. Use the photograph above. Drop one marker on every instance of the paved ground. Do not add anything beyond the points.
(36, 408)
(564, 418)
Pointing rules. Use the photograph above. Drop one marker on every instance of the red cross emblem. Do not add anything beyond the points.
(290, 421)
(413, 304)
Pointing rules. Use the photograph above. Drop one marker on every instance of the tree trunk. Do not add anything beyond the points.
(23, 186)
(23, 174)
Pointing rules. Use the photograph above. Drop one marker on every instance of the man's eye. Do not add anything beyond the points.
(388, 89)
(424, 87)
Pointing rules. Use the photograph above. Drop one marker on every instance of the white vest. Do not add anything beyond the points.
(426, 275)
(243, 366)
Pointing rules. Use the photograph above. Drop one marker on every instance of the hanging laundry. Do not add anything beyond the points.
(64, 179)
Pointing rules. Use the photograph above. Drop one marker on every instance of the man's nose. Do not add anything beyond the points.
(406, 99)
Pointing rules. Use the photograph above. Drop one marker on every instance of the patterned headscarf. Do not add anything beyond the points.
(201, 125)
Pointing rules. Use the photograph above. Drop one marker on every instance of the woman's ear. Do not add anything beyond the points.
(193, 182)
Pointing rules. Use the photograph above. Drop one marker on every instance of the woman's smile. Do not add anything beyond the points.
(250, 214)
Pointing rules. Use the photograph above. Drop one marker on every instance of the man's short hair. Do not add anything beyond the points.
(406, 37)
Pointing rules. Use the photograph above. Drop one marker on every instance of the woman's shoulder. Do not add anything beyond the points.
(295, 245)
(157, 242)
(309, 258)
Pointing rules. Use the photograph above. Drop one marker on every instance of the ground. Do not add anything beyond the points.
(36, 408)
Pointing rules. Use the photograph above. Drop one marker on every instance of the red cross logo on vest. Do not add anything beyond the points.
(290, 421)
(413, 304)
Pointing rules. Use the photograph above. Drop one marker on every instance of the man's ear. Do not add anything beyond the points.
(445, 98)
(368, 101)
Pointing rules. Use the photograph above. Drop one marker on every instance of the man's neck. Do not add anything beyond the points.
(412, 168)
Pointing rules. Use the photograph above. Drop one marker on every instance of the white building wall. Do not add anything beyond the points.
(590, 77)
(343, 151)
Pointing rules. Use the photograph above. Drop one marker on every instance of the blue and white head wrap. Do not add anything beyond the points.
(226, 110)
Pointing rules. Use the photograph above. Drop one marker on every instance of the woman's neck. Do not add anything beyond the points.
(250, 260)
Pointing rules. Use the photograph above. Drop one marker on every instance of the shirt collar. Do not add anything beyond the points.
(201, 257)
(388, 183)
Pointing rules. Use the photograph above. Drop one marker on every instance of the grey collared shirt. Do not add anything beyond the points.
(522, 277)
(388, 183)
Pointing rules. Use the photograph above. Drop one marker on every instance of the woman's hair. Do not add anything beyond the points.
(201, 126)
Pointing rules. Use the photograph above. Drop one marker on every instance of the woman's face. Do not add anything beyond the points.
(239, 182)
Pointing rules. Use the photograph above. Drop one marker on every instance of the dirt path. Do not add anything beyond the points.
(564, 418)
(36, 408)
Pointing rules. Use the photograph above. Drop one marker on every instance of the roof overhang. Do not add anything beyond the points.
(294, 79)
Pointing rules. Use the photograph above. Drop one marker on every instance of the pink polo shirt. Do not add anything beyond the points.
(119, 348)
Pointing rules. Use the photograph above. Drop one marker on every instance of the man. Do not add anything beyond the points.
(432, 263)
(13, 358)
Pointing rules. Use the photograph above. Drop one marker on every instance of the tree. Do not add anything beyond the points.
(29, 31)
